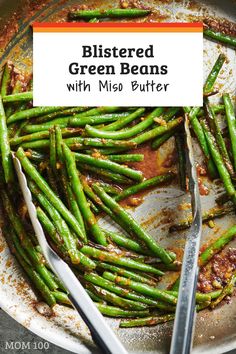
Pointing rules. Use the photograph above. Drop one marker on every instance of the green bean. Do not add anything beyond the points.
(220, 108)
(122, 240)
(18, 131)
(60, 285)
(113, 258)
(214, 294)
(106, 164)
(122, 122)
(132, 226)
(162, 139)
(37, 281)
(17, 88)
(167, 116)
(64, 113)
(89, 194)
(18, 97)
(61, 297)
(126, 293)
(180, 147)
(95, 118)
(51, 230)
(36, 128)
(113, 13)
(74, 121)
(62, 228)
(100, 205)
(175, 286)
(198, 130)
(52, 155)
(104, 309)
(148, 183)
(11, 129)
(108, 175)
(71, 200)
(151, 134)
(32, 113)
(51, 196)
(220, 37)
(200, 297)
(19, 249)
(26, 242)
(112, 311)
(217, 245)
(115, 299)
(5, 147)
(214, 125)
(6, 79)
(19, 140)
(170, 113)
(202, 306)
(77, 188)
(99, 110)
(41, 135)
(78, 142)
(126, 242)
(223, 172)
(94, 297)
(126, 158)
(127, 273)
(227, 290)
(104, 151)
(109, 188)
(203, 144)
(147, 321)
(206, 216)
(210, 81)
(141, 288)
(87, 189)
(126, 133)
(231, 122)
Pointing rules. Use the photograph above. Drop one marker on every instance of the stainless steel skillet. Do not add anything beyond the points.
(216, 331)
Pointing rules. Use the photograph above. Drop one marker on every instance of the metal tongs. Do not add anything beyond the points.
(185, 312)
(102, 334)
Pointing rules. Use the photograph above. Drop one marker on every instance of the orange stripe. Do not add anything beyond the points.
(118, 24)
(118, 27)
(161, 30)
(117, 30)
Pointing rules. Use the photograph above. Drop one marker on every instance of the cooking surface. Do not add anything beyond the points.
(215, 330)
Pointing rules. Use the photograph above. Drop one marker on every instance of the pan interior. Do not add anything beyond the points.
(215, 329)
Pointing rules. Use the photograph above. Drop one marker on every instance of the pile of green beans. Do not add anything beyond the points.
(79, 163)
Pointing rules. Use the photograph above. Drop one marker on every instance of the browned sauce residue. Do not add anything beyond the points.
(148, 166)
(224, 26)
(218, 271)
(203, 190)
